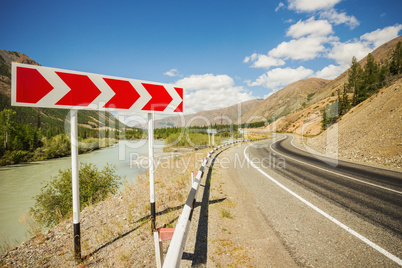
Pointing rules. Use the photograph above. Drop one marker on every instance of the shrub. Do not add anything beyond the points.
(56, 146)
(55, 200)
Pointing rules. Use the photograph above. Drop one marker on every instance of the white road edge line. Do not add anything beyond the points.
(343, 160)
(333, 172)
(343, 226)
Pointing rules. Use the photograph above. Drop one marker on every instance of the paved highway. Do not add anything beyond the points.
(327, 212)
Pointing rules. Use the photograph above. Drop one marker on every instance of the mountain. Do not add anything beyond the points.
(370, 132)
(50, 119)
(307, 121)
(286, 100)
(381, 55)
(223, 116)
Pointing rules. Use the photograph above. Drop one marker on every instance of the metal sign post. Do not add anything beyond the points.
(76, 185)
(157, 242)
(151, 168)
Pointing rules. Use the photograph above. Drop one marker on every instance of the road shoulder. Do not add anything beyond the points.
(239, 234)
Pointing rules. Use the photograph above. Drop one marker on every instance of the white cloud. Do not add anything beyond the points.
(338, 18)
(310, 27)
(172, 73)
(281, 77)
(381, 36)
(342, 53)
(263, 61)
(311, 5)
(205, 82)
(279, 6)
(331, 71)
(305, 48)
(208, 91)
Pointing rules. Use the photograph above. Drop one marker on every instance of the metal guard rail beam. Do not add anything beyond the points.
(178, 242)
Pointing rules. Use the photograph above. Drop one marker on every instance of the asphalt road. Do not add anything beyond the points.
(328, 212)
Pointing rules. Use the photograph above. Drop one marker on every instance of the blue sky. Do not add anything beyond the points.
(221, 52)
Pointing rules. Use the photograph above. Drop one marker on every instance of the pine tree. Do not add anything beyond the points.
(343, 102)
(395, 67)
(384, 74)
(354, 79)
(370, 78)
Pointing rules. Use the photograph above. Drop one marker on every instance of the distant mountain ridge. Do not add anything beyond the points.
(289, 101)
(223, 116)
(286, 100)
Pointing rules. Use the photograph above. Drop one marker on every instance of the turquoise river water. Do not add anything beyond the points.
(20, 183)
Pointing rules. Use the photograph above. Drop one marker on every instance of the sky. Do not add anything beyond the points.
(221, 52)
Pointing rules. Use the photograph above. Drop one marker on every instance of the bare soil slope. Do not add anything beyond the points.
(285, 100)
(370, 132)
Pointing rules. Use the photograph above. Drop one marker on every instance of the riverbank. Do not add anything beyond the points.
(55, 147)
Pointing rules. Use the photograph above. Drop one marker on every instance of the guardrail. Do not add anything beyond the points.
(178, 242)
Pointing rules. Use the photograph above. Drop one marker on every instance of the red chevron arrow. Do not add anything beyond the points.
(31, 85)
(179, 108)
(83, 90)
(125, 96)
(160, 98)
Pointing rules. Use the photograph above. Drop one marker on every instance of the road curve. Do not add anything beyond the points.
(366, 201)
(372, 193)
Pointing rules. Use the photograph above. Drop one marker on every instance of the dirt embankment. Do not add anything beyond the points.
(370, 132)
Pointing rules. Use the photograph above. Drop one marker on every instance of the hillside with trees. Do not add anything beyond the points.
(359, 112)
(363, 82)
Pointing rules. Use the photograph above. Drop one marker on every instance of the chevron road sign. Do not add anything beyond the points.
(38, 86)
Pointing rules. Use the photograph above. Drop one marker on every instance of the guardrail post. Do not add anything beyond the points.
(158, 250)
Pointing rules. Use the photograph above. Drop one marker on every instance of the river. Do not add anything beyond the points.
(20, 183)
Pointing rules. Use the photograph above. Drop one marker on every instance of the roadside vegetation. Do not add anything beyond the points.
(22, 143)
(54, 203)
(363, 82)
(197, 136)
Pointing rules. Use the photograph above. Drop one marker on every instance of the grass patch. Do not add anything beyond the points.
(226, 214)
